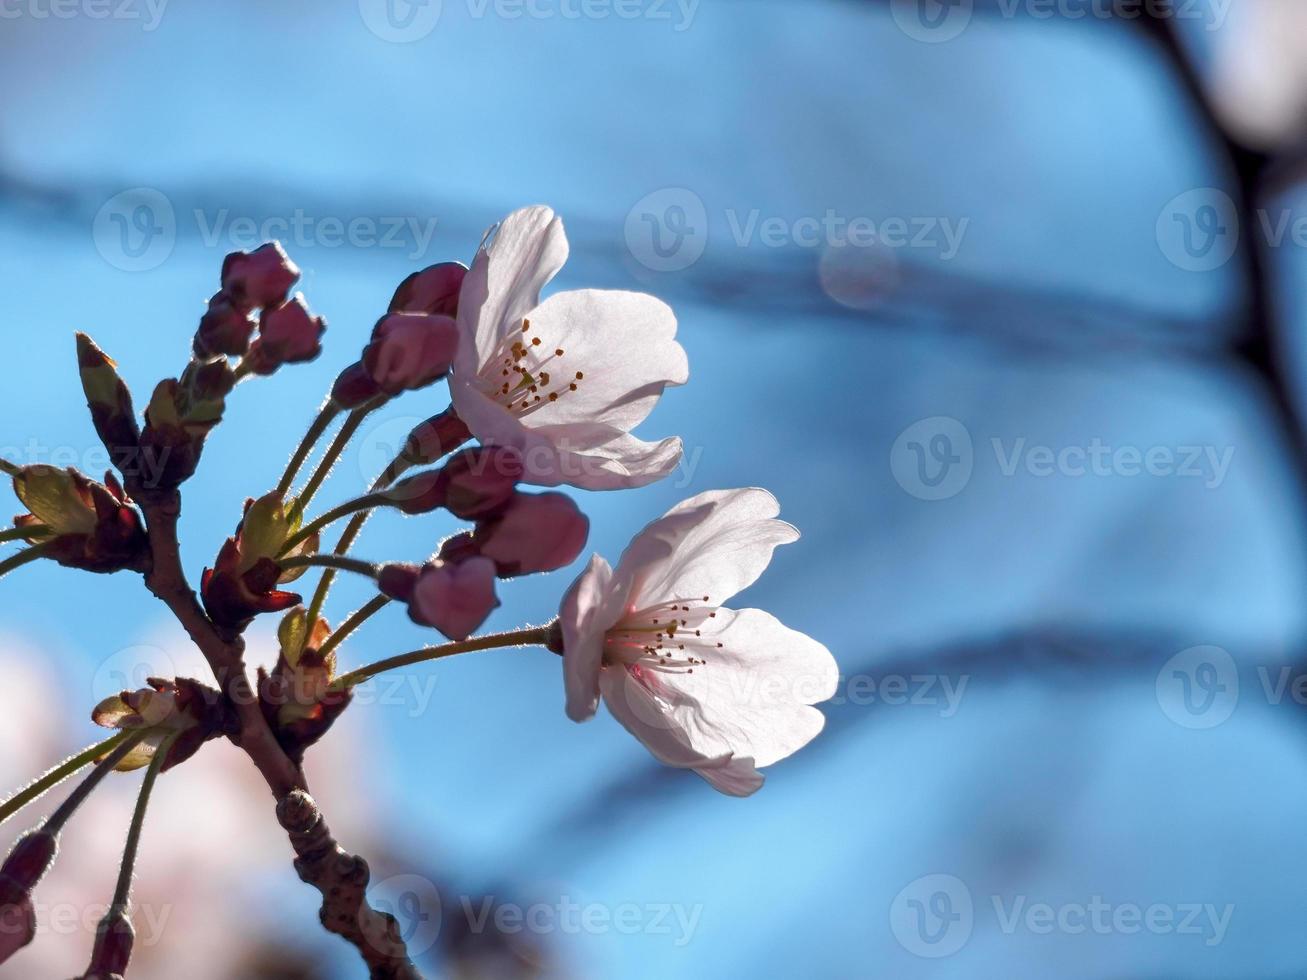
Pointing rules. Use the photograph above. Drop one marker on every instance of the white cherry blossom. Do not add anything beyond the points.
(719, 691)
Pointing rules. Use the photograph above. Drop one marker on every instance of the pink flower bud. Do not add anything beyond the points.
(479, 482)
(419, 494)
(410, 350)
(29, 860)
(537, 533)
(114, 939)
(433, 290)
(17, 926)
(458, 548)
(261, 278)
(475, 484)
(454, 598)
(354, 387)
(224, 329)
(398, 580)
(288, 334)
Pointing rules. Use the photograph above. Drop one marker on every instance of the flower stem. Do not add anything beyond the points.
(326, 416)
(366, 502)
(102, 768)
(122, 893)
(529, 636)
(398, 466)
(354, 622)
(43, 784)
(25, 532)
(332, 456)
(339, 562)
(23, 557)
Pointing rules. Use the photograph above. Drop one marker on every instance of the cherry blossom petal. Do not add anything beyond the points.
(633, 701)
(642, 713)
(589, 608)
(524, 253)
(720, 543)
(595, 457)
(733, 776)
(619, 353)
(622, 462)
(753, 695)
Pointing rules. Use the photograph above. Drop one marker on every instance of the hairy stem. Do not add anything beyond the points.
(529, 636)
(122, 893)
(43, 784)
(326, 416)
(354, 622)
(102, 768)
(364, 503)
(332, 456)
(24, 533)
(436, 437)
(24, 557)
(341, 563)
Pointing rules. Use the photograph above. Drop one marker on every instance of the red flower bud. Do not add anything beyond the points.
(114, 939)
(398, 580)
(17, 925)
(419, 494)
(224, 329)
(537, 533)
(28, 862)
(354, 387)
(480, 482)
(454, 598)
(259, 279)
(288, 334)
(410, 350)
(96, 528)
(475, 484)
(433, 290)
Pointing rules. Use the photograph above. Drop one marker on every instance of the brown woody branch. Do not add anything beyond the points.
(343, 881)
(342, 878)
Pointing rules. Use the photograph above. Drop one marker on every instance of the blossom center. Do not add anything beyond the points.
(666, 638)
(523, 375)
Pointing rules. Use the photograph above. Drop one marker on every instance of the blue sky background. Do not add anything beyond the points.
(1061, 318)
